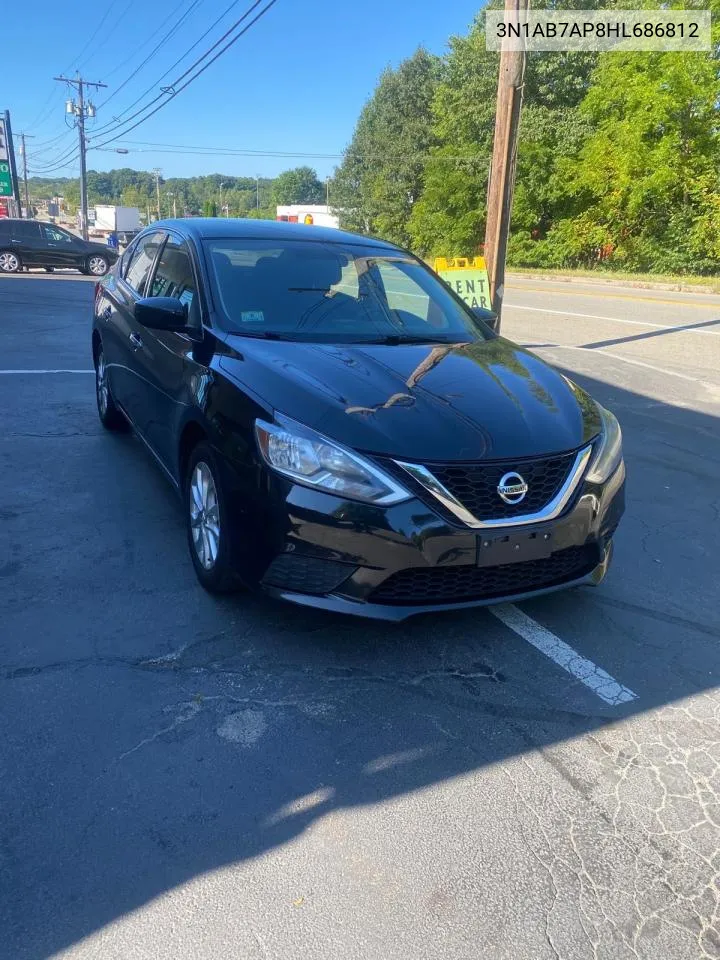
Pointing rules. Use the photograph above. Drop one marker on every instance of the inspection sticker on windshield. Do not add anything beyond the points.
(252, 316)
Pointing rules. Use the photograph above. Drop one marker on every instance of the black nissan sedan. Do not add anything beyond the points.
(343, 430)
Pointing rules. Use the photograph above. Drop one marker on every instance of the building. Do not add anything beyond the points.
(311, 213)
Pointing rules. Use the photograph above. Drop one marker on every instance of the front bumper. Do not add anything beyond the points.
(393, 562)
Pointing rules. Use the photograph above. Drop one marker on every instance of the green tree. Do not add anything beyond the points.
(647, 180)
(210, 208)
(449, 218)
(382, 174)
(299, 185)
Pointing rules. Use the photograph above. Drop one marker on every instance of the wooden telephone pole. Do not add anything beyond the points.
(502, 170)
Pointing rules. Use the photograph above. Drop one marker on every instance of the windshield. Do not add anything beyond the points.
(334, 293)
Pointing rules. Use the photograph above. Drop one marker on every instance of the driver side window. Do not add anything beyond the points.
(53, 235)
(141, 261)
(174, 277)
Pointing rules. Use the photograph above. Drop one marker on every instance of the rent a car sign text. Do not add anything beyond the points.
(467, 277)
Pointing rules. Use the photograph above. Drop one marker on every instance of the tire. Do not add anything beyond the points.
(206, 519)
(110, 417)
(48, 269)
(97, 265)
(10, 262)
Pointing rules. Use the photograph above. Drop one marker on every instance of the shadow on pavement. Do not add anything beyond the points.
(152, 755)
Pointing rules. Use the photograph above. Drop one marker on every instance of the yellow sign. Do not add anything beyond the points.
(309, 219)
(467, 276)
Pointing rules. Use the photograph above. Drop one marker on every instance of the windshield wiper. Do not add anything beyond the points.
(396, 339)
(260, 334)
(309, 289)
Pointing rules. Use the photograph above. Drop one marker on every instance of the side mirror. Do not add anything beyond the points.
(489, 318)
(162, 313)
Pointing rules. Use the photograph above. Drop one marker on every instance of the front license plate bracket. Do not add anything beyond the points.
(493, 550)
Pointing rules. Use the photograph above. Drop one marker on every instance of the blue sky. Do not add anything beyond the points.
(295, 82)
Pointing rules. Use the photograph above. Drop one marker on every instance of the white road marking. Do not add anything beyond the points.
(632, 323)
(594, 677)
(635, 363)
(31, 372)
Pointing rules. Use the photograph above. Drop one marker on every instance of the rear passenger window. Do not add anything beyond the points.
(141, 261)
(26, 230)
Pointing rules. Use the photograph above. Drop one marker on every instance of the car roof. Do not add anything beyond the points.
(218, 227)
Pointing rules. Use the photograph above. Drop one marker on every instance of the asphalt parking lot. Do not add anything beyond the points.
(187, 777)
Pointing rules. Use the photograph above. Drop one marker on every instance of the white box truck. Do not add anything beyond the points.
(117, 219)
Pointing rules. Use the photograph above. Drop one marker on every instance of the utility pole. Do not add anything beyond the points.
(174, 207)
(81, 110)
(23, 148)
(502, 171)
(257, 192)
(156, 173)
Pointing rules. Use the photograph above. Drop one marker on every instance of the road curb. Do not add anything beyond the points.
(613, 282)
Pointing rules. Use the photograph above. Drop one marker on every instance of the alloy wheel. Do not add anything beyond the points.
(204, 515)
(9, 263)
(97, 266)
(101, 384)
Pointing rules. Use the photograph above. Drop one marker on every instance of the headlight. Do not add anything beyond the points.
(609, 450)
(311, 459)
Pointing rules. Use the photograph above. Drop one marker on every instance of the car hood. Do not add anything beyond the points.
(472, 401)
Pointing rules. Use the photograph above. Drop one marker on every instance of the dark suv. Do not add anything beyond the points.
(30, 243)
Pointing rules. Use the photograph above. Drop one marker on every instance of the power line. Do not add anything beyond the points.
(189, 150)
(76, 61)
(146, 41)
(172, 67)
(176, 26)
(172, 91)
(124, 10)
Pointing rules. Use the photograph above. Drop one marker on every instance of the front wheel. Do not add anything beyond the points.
(97, 265)
(9, 262)
(207, 523)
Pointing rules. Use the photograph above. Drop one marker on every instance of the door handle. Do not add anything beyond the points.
(16, 241)
(136, 341)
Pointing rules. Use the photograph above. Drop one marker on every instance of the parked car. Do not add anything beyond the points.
(32, 243)
(343, 430)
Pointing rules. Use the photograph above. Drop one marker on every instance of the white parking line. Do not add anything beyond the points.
(632, 323)
(30, 372)
(594, 677)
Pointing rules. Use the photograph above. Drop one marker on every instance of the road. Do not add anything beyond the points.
(187, 777)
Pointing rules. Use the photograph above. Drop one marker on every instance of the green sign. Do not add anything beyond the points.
(6, 188)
